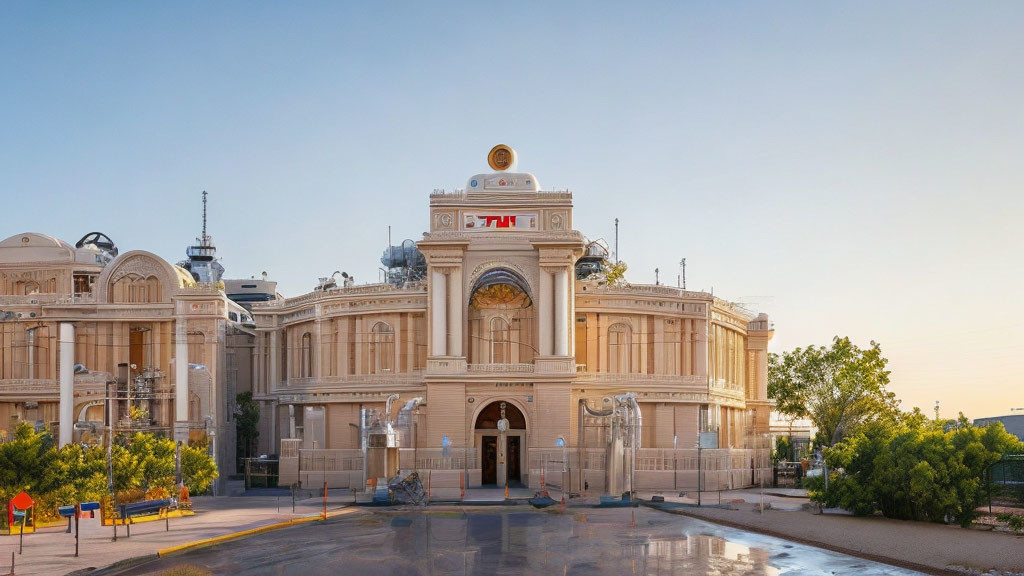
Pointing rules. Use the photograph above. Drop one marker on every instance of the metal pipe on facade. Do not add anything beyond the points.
(31, 353)
(634, 419)
(387, 408)
(405, 419)
(364, 425)
(579, 442)
(586, 410)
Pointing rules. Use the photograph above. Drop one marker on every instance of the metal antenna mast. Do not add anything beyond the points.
(681, 280)
(616, 240)
(204, 215)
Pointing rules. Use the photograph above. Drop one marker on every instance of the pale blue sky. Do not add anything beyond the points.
(850, 168)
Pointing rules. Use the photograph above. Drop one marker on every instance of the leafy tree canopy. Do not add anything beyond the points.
(247, 421)
(913, 469)
(839, 388)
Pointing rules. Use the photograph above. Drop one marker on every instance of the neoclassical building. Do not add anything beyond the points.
(501, 338)
(93, 341)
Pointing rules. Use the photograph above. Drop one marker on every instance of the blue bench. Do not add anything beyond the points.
(145, 508)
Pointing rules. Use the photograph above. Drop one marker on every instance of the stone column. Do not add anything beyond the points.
(275, 362)
(438, 313)
(31, 334)
(701, 361)
(180, 380)
(67, 382)
(561, 312)
(545, 312)
(291, 420)
(258, 377)
(455, 312)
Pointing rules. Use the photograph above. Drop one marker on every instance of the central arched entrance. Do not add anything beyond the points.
(501, 448)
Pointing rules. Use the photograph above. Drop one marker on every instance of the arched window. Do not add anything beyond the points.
(620, 340)
(153, 289)
(306, 356)
(382, 348)
(500, 341)
(138, 291)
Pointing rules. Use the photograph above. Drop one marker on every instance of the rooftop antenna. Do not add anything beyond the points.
(204, 215)
(616, 240)
(656, 281)
(681, 279)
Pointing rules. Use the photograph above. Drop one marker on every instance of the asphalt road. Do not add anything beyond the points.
(514, 540)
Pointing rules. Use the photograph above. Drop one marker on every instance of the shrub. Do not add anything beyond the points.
(143, 467)
(912, 469)
(1014, 521)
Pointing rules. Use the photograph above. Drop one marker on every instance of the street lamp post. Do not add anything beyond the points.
(503, 448)
(675, 445)
(760, 472)
(699, 470)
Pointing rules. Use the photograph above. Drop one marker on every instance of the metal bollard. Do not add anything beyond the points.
(78, 512)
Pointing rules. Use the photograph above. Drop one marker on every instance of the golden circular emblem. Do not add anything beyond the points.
(501, 157)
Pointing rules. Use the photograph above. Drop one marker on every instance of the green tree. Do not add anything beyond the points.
(26, 463)
(155, 459)
(839, 388)
(81, 473)
(910, 468)
(783, 449)
(126, 469)
(198, 469)
(247, 420)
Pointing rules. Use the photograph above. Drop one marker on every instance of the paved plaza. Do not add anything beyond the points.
(478, 537)
(51, 551)
(516, 540)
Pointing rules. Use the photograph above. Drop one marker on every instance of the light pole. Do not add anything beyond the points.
(699, 479)
(502, 449)
(675, 445)
(760, 471)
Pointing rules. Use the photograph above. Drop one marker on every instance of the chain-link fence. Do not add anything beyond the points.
(1006, 482)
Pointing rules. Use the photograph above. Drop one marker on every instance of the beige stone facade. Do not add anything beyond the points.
(500, 317)
(92, 341)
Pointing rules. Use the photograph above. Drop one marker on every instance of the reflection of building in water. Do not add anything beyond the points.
(513, 305)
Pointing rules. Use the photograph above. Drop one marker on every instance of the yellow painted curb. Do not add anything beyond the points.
(250, 532)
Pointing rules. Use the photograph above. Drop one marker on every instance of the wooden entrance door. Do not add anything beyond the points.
(489, 465)
(512, 457)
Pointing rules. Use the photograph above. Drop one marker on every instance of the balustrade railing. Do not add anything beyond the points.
(499, 368)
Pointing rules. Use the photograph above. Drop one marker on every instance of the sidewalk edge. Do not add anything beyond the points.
(250, 532)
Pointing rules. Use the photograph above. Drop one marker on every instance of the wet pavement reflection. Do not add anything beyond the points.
(468, 541)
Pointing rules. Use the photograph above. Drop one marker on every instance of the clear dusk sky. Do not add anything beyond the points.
(849, 168)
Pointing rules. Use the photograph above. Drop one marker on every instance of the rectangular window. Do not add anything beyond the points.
(83, 283)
